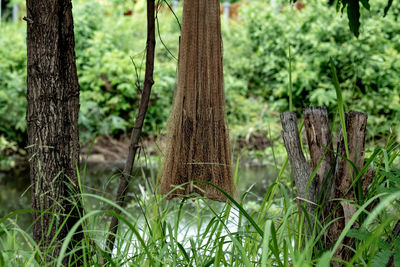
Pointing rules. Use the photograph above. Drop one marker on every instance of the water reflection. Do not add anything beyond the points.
(102, 179)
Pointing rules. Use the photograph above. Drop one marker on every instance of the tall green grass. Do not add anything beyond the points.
(198, 232)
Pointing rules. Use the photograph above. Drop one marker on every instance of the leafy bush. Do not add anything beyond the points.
(255, 61)
(12, 82)
(367, 67)
(111, 69)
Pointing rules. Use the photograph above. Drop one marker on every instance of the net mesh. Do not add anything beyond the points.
(198, 146)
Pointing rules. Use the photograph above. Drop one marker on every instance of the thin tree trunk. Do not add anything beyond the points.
(137, 128)
(52, 119)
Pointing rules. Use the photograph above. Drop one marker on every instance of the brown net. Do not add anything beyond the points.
(198, 146)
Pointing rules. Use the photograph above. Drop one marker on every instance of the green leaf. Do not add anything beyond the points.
(339, 97)
(353, 13)
(342, 3)
(365, 4)
(267, 234)
(381, 258)
(387, 7)
(184, 253)
(275, 250)
(394, 178)
(359, 234)
(325, 260)
(2, 262)
(397, 244)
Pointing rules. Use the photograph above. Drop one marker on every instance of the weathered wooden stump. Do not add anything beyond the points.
(334, 175)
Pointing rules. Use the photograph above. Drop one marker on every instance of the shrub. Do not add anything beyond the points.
(367, 67)
(255, 65)
(12, 82)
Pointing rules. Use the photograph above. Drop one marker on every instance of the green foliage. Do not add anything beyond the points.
(8, 149)
(353, 12)
(366, 67)
(340, 107)
(390, 2)
(12, 82)
(110, 60)
(110, 68)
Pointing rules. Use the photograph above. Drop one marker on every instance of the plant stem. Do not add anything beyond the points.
(290, 82)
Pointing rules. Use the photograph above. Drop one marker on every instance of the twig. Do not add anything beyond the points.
(28, 20)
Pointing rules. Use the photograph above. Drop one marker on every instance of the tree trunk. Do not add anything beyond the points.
(320, 145)
(334, 177)
(52, 119)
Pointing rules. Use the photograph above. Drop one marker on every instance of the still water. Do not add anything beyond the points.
(102, 179)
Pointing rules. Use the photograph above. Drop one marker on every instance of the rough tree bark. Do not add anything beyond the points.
(137, 128)
(334, 177)
(320, 145)
(301, 169)
(52, 119)
(316, 124)
(356, 123)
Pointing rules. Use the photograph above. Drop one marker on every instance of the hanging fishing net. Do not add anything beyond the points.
(198, 147)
